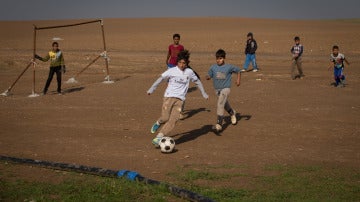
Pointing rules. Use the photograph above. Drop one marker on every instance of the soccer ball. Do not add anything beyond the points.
(167, 144)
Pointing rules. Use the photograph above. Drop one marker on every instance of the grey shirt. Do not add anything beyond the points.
(221, 75)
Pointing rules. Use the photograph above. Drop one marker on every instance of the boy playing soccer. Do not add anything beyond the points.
(337, 61)
(178, 79)
(173, 51)
(250, 49)
(57, 66)
(297, 51)
(221, 75)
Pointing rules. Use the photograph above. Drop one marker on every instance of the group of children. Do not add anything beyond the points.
(179, 74)
(336, 62)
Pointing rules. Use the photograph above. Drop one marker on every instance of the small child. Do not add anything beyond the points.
(297, 51)
(337, 61)
(178, 79)
(250, 49)
(173, 50)
(221, 75)
(57, 66)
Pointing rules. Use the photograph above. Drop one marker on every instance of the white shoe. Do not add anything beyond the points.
(218, 127)
(243, 70)
(233, 118)
(255, 70)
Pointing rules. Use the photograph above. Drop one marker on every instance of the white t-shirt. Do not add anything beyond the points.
(338, 60)
(178, 82)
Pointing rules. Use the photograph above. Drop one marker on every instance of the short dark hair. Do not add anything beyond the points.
(183, 55)
(220, 53)
(176, 35)
(55, 43)
(335, 47)
(297, 38)
(250, 34)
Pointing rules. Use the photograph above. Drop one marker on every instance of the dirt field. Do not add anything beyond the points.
(281, 121)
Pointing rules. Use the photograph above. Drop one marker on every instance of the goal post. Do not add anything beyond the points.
(103, 54)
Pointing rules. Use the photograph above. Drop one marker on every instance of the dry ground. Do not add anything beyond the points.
(108, 125)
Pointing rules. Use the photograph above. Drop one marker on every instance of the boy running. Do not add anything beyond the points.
(173, 51)
(179, 78)
(337, 61)
(221, 75)
(297, 51)
(57, 66)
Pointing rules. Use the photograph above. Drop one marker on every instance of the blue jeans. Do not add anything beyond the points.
(250, 58)
(170, 66)
(338, 75)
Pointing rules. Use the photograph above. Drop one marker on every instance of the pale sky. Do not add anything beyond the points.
(85, 9)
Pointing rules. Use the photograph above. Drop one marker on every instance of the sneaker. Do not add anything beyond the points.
(156, 141)
(243, 70)
(233, 118)
(218, 127)
(255, 70)
(155, 127)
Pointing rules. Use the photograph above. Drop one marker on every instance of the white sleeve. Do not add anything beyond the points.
(155, 85)
(201, 88)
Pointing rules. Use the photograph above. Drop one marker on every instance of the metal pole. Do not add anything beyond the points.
(69, 25)
(13, 84)
(34, 52)
(106, 59)
(92, 62)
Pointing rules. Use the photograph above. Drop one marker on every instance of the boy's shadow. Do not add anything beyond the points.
(190, 113)
(71, 90)
(193, 134)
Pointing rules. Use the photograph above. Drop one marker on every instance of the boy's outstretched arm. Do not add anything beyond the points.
(201, 88)
(238, 79)
(155, 85)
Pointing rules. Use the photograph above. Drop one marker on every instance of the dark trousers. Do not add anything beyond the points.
(53, 70)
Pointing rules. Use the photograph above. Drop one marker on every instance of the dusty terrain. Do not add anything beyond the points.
(281, 121)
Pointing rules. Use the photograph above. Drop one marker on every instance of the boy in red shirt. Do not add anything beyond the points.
(174, 50)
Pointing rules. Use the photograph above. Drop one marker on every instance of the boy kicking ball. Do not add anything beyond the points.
(179, 78)
(221, 75)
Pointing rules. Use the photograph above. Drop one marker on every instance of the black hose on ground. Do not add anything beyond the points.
(131, 175)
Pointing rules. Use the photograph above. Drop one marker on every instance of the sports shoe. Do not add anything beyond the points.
(218, 127)
(243, 70)
(156, 141)
(255, 70)
(233, 118)
(155, 127)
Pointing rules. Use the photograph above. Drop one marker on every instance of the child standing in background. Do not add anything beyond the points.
(173, 50)
(250, 49)
(297, 51)
(221, 74)
(56, 66)
(337, 61)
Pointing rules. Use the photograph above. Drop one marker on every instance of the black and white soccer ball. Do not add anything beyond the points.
(167, 145)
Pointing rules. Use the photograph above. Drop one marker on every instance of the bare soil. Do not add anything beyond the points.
(281, 121)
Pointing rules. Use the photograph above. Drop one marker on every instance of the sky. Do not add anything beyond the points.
(20, 10)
